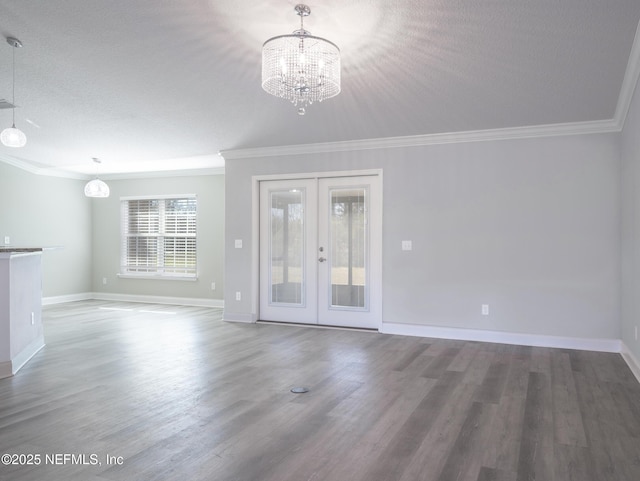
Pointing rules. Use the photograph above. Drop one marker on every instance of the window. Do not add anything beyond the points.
(159, 236)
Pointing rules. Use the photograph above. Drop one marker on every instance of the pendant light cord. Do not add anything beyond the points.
(12, 136)
(14, 87)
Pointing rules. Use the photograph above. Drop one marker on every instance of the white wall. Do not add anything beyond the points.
(530, 227)
(42, 211)
(630, 174)
(106, 238)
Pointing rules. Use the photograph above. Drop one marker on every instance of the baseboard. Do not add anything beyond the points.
(5, 369)
(631, 361)
(107, 296)
(239, 317)
(500, 337)
(83, 296)
(9, 368)
(26, 354)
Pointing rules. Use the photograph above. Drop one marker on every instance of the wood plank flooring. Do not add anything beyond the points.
(173, 393)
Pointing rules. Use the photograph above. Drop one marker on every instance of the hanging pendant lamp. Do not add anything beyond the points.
(96, 187)
(12, 136)
(300, 67)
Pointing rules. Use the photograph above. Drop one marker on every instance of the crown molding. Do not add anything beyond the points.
(551, 130)
(48, 171)
(67, 174)
(575, 128)
(163, 173)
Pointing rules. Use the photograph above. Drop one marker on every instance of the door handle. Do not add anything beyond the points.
(322, 259)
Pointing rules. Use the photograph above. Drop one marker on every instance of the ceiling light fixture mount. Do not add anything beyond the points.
(300, 67)
(96, 187)
(12, 136)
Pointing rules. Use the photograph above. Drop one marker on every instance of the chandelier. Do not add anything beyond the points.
(300, 67)
(96, 187)
(12, 136)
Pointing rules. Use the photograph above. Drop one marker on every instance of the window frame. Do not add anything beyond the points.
(161, 271)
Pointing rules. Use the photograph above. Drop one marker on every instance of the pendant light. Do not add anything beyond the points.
(300, 67)
(96, 187)
(12, 136)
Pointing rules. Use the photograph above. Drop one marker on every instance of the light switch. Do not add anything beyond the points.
(238, 243)
(406, 245)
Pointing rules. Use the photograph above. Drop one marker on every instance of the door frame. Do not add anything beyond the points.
(376, 290)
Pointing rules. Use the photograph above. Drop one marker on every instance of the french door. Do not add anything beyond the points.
(320, 251)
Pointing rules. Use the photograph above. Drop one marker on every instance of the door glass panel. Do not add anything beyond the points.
(287, 247)
(348, 238)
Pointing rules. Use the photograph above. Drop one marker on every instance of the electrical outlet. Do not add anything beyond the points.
(238, 296)
(7, 240)
(485, 309)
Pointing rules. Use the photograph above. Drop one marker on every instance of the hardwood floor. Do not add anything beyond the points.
(173, 393)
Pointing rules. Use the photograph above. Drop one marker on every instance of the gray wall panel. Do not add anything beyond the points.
(530, 227)
(630, 174)
(106, 237)
(37, 210)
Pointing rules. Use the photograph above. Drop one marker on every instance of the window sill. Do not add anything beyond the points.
(158, 277)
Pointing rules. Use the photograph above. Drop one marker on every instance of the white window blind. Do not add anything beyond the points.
(159, 236)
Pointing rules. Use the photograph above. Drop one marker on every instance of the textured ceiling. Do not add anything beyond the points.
(150, 85)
